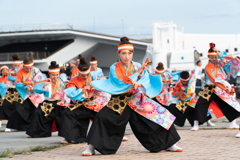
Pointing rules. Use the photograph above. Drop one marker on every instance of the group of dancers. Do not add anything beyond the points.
(38, 105)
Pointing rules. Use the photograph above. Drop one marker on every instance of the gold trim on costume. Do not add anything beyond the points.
(182, 106)
(47, 108)
(13, 96)
(207, 92)
(118, 103)
(80, 103)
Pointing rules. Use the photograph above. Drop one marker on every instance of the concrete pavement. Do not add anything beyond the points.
(203, 144)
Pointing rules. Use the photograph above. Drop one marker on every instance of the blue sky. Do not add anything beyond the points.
(202, 16)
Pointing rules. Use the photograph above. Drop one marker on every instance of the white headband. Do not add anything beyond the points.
(4, 67)
(93, 62)
(17, 62)
(125, 47)
(212, 53)
(56, 70)
(184, 79)
(84, 72)
(28, 65)
(159, 71)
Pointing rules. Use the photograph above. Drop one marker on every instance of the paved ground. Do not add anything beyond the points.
(208, 143)
(204, 144)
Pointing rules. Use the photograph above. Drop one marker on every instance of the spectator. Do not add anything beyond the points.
(69, 69)
(198, 75)
(63, 75)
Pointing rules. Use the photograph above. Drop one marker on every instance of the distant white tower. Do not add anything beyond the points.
(163, 43)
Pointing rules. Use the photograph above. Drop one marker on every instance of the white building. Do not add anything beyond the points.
(169, 44)
(180, 51)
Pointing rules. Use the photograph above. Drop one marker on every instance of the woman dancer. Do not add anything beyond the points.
(96, 72)
(8, 104)
(217, 89)
(164, 95)
(52, 107)
(28, 100)
(86, 103)
(151, 123)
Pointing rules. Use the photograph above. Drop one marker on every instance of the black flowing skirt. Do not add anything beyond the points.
(41, 125)
(202, 108)
(74, 124)
(181, 117)
(7, 107)
(108, 129)
(21, 117)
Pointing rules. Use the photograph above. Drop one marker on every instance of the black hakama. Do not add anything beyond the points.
(43, 116)
(21, 117)
(202, 108)
(75, 123)
(108, 129)
(181, 117)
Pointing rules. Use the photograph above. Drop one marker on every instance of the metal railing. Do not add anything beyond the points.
(22, 55)
(35, 27)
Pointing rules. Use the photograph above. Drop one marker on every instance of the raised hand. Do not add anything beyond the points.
(142, 68)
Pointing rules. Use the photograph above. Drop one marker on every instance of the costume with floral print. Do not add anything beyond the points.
(164, 96)
(220, 79)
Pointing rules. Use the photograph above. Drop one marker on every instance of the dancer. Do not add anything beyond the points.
(217, 89)
(96, 72)
(86, 103)
(164, 95)
(3, 89)
(184, 107)
(28, 100)
(151, 123)
(52, 107)
(8, 104)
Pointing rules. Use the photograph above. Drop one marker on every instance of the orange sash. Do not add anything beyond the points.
(121, 70)
(54, 88)
(208, 69)
(25, 82)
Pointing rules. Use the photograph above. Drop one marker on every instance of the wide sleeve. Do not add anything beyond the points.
(100, 73)
(38, 75)
(21, 88)
(151, 83)
(39, 88)
(3, 89)
(176, 76)
(12, 78)
(224, 59)
(113, 85)
(190, 90)
(74, 93)
(230, 64)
